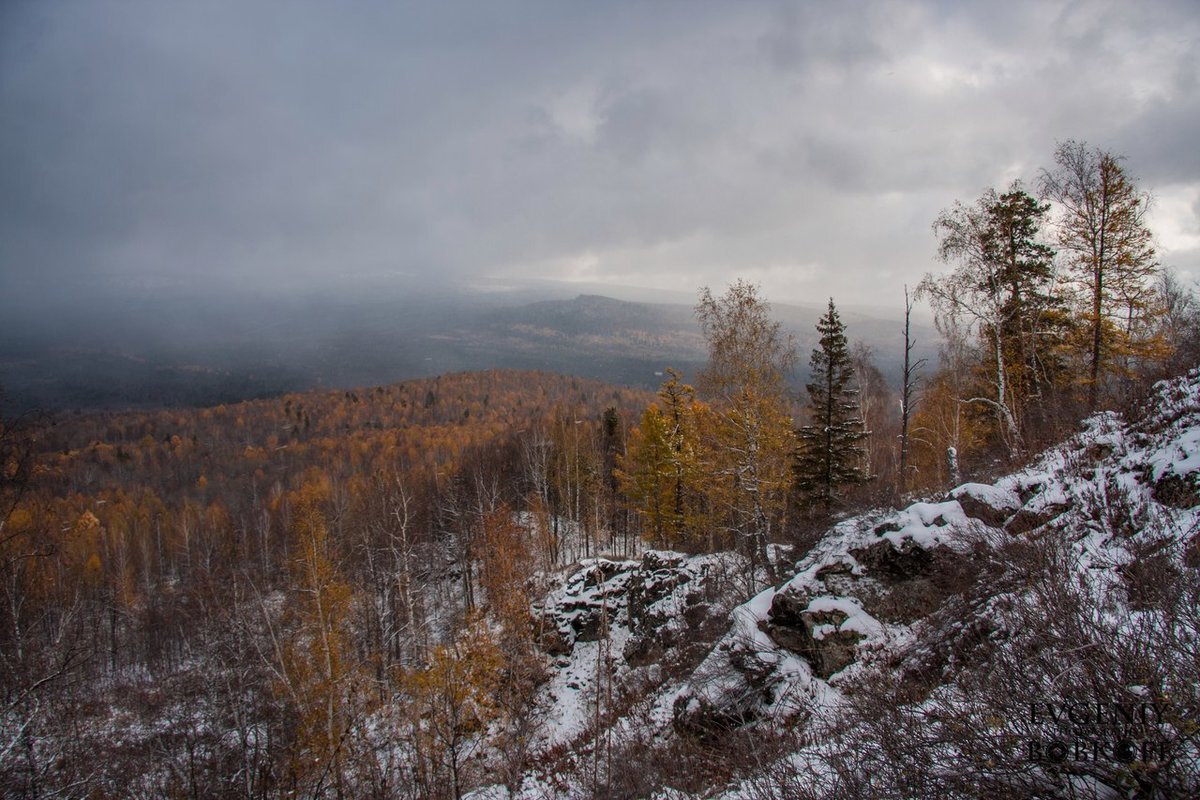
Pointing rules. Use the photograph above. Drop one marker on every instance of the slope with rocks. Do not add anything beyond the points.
(1039, 635)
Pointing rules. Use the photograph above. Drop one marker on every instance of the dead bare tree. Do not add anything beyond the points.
(908, 384)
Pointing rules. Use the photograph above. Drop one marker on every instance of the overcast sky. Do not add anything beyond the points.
(806, 146)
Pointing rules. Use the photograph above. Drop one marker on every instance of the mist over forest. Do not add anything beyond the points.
(162, 346)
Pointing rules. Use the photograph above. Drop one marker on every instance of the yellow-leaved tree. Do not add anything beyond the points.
(752, 436)
(661, 473)
(448, 704)
(317, 668)
(1102, 229)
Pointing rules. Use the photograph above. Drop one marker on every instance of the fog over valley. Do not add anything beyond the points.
(158, 346)
(231, 154)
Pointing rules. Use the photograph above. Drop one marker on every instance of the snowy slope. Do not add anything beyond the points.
(933, 650)
(613, 623)
(1069, 585)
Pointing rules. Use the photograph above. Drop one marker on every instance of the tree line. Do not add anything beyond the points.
(1055, 305)
(728, 466)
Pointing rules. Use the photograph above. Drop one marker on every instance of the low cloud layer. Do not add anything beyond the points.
(806, 146)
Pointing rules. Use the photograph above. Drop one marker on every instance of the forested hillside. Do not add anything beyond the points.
(222, 601)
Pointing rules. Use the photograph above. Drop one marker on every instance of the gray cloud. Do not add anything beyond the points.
(673, 144)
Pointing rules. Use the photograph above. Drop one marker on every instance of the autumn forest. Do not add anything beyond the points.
(339, 593)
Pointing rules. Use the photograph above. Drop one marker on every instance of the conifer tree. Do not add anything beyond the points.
(750, 437)
(1102, 230)
(660, 474)
(1032, 317)
(1002, 290)
(830, 452)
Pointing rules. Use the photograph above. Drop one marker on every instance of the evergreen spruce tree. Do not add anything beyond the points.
(829, 455)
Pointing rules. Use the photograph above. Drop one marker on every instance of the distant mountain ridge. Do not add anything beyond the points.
(177, 350)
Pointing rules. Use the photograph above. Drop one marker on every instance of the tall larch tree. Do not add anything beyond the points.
(316, 666)
(660, 473)
(752, 437)
(830, 450)
(1101, 226)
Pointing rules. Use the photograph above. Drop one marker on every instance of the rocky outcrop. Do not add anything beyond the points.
(989, 504)
(699, 717)
(551, 640)
(886, 561)
(659, 574)
(816, 635)
(917, 609)
(1177, 491)
(645, 598)
(584, 612)
(1028, 519)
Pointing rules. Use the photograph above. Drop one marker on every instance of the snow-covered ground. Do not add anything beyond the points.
(1056, 556)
